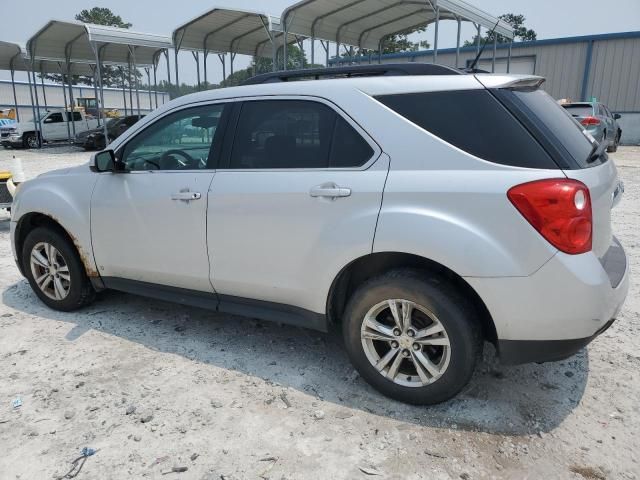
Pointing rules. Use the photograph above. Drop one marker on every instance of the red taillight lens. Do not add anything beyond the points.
(560, 210)
(590, 121)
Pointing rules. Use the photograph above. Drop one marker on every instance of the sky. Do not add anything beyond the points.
(549, 18)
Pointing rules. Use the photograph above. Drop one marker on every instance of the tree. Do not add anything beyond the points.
(111, 76)
(397, 43)
(102, 16)
(520, 31)
(296, 59)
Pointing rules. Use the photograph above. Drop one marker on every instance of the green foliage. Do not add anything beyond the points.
(520, 30)
(102, 16)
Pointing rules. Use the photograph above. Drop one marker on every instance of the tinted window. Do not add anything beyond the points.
(579, 110)
(475, 122)
(558, 124)
(77, 117)
(54, 118)
(348, 148)
(283, 134)
(181, 141)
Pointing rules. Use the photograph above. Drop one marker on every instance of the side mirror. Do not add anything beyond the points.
(104, 161)
(617, 116)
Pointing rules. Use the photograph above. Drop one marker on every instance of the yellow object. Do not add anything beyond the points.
(5, 176)
(9, 114)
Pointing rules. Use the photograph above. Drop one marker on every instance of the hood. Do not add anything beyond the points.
(66, 171)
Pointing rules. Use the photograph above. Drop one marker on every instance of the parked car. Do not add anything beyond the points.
(94, 139)
(372, 203)
(599, 122)
(56, 125)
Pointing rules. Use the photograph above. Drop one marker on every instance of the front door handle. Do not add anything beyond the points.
(330, 190)
(186, 196)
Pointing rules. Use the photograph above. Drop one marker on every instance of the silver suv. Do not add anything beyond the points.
(425, 214)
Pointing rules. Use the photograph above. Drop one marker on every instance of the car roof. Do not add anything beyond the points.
(339, 88)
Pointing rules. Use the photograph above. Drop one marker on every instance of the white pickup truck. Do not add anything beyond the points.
(54, 128)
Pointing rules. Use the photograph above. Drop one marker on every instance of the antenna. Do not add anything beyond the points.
(486, 40)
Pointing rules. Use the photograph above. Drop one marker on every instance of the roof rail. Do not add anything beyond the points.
(351, 71)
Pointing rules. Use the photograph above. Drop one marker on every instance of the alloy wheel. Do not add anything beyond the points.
(406, 343)
(50, 271)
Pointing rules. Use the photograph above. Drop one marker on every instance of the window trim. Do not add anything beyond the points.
(233, 128)
(224, 118)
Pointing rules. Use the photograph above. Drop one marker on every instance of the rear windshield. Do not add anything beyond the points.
(579, 110)
(474, 121)
(554, 126)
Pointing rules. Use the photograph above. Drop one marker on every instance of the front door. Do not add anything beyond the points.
(298, 198)
(149, 224)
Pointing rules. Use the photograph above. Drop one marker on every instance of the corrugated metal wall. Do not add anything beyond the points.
(613, 77)
(615, 74)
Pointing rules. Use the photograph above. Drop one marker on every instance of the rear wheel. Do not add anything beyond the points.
(54, 270)
(412, 337)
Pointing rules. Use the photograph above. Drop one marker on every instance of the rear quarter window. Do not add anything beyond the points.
(474, 121)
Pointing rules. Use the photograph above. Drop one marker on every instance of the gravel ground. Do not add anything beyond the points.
(153, 386)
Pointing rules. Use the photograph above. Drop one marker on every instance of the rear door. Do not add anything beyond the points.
(297, 200)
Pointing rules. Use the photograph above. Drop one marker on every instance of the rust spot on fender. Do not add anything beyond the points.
(84, 257)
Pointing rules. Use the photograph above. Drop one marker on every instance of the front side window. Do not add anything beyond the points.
(180, 141)
(54, 118)
(295, 134)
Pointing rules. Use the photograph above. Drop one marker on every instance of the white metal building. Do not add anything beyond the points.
(113, 98)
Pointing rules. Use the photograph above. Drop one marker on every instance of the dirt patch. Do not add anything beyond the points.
(153, 387)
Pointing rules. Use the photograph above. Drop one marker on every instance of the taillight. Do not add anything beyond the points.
(590, 121)
(560, 210)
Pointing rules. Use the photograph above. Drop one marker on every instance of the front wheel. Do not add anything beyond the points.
(413, 337)
(54, 270)
(30, 140)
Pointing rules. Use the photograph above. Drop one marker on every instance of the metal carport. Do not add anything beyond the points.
(75, 42)
(367, 23)
(223, 31)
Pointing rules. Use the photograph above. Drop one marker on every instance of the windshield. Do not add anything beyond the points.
(579, 110)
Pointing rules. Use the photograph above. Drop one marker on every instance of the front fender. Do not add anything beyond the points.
(66, 199)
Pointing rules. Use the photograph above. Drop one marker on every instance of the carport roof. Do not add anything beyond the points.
(223, 30)
(13, 56)
(10, 56)
(59, 40)
(364, 23)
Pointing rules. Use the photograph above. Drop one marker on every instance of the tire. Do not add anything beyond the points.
(614, 148)
(436, 304)
(76, 286)
(30, 140)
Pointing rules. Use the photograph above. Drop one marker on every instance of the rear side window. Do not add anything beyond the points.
(555, 124)
(474, 121)
(348, 148)
(294, 134)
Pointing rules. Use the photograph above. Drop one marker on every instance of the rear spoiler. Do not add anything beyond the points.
(515, 82)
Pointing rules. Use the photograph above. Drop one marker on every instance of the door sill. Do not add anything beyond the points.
(245, 307)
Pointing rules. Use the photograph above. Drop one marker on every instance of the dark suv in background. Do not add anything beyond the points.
(94, 139)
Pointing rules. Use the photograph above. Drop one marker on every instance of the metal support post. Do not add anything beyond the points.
(458, 43)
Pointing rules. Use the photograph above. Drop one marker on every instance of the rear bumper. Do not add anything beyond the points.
(516, 352)
(558, 310)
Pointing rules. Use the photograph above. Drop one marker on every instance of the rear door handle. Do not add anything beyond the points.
(330, 190)
(186, 196)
